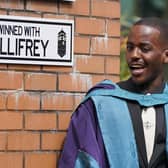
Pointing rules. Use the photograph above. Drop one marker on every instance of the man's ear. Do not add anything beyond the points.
(165, 56)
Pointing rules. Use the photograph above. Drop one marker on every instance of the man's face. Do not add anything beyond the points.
(144, 55)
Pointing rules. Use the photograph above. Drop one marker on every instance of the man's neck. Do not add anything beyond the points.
(157, 87)
(132, 87)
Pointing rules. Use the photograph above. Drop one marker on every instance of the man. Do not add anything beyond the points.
(125, 125)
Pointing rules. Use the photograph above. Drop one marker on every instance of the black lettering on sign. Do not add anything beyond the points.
(23, 47)
(32, 31)
(11, 30)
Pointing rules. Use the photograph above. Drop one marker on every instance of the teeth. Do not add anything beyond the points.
(136, 66)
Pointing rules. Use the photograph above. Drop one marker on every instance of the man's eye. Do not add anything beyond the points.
(145, 49)
(130, 47)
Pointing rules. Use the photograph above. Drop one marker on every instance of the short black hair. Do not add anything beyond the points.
(158, 23)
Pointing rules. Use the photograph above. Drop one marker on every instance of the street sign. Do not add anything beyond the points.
(26, 40)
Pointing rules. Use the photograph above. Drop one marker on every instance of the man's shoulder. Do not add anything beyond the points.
(105, 84)
(100, 88)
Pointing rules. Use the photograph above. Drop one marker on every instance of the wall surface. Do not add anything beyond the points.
(36, 102)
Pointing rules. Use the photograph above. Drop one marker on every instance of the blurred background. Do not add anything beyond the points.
(131, 11)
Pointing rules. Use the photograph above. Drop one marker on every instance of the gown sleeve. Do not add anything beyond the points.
(83, 145)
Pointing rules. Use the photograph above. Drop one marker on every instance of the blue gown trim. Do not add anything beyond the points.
(84, 160)
(142, 99)
(117, 132)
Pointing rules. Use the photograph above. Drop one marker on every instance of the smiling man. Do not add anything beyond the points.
(125, 125)
(146, 52)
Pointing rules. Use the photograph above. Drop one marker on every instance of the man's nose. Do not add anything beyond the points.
(136, 53)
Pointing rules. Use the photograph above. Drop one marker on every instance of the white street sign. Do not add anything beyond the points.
(36, 41)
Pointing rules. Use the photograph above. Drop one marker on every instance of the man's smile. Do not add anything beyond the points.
(137, 68)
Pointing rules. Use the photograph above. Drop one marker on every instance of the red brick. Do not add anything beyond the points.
(11, 120)
(3, 66)
(98, 78)
(11, 160)
(76, 82)
(82, 45)
(12, 4)
(90, 64)
(60, 101)
(15, 78)
(63, 120)
(37, 132)
(52, 141)
(23, 101)
(110, 9)
(2, 101)
(113, 28)
(44, 6)
(40, 160)
(3, 12)
(114, 78)
(25, 14)
(105, 46)
(79, 7)
(36, 81)
(3, 141)
(57, 69)
(24, 67)
(78, 99)
(23, 141)
(39, 121)
(56, 16)
(90, 26)
(113, 65)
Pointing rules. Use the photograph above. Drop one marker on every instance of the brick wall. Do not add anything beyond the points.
(36, 102)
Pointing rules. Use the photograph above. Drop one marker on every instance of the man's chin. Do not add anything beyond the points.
(138, 81)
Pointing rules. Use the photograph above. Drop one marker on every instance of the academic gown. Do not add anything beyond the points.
(84, 145)
(158, 158)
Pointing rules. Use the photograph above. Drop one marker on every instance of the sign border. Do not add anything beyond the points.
(36, 61)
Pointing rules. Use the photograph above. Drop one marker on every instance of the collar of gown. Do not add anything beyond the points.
(142, 99)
